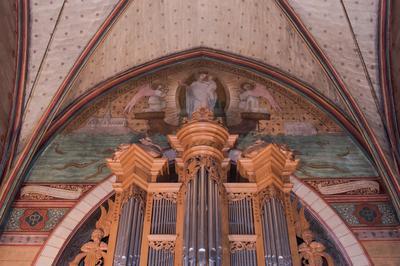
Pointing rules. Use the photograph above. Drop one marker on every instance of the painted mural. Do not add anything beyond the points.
(145, 109)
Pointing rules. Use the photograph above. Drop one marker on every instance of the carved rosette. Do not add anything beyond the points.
(236, 246)
(166, 245)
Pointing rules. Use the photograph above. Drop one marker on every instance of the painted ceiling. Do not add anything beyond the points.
(74, 46)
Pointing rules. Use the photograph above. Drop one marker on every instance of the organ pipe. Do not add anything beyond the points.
(127, 251)
(202, 238)
(275, 233)
(249, 229)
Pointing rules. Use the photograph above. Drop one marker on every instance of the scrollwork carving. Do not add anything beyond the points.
(236, 246)
(202, 114)
(211, 165)
(94, 251)
(171, 196)
(239, 196)
(167, 245)
(270, 192)
(312, 253)
(133, 192)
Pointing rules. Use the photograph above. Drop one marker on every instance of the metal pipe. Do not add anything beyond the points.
(277, 233)
(251, 216)
(267, 235)
(125, 246)
(217, 224)
(236, 224)
(271, 230)
(150, 259)
(187, 222)
(201, 249)
(246, 217)
(193, 223)
(132, 233)
(211, 236)
(155, 215)
(120, 236)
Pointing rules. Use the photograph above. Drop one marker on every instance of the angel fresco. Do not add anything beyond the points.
(249, 98)
(156, 94)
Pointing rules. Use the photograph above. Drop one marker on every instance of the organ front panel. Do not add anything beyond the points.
(202, 219)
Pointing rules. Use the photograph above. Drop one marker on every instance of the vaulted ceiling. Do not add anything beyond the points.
(68, 48)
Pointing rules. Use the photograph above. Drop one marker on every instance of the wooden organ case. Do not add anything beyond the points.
(202, 219)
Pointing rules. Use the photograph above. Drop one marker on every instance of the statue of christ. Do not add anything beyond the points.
(201, 93)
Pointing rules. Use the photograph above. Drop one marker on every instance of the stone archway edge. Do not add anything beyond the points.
(343, 236)
(71, 222)
(323, 212)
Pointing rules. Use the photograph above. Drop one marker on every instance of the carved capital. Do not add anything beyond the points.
(133, 165)
(268, 164)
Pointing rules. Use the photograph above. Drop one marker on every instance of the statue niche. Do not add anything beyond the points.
(202, 89)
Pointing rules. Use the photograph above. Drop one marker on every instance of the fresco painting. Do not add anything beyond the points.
(250, 105)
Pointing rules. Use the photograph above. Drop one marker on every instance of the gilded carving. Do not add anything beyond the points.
(239, 196)
(167, 245)
(95, 251)
(270, 192)
(171, 196)
(211, 165)
(242, 245)
(312, 253)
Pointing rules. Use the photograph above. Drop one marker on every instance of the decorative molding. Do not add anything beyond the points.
(268, 165)
(23, 239)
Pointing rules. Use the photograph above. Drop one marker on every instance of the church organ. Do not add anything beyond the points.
(203, 219)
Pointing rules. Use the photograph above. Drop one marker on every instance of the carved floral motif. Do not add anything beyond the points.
(236, 246)
(94, 251)
(211, 165)
(312, 253)
(171, 196)
(239, 196)
(270, 192)
(167, 245)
